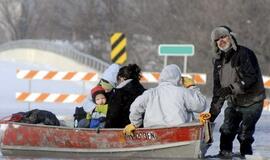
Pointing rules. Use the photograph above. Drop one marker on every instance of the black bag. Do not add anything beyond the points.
(37, 116)
(78, 115)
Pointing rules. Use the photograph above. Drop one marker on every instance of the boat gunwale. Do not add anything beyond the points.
(190, 124)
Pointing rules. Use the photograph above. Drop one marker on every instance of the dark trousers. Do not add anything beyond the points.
(239, 121)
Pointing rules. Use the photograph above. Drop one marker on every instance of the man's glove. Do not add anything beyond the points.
(204, 117)
(187, 82)
(223, 92)
(129, 129)
(215, 109)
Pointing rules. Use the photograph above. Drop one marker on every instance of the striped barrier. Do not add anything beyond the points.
(199, 78)
(147, 77)
(266, 104)
(49, 97)
(153, 77)
(150, 77)
(56, 75)
(266, 81)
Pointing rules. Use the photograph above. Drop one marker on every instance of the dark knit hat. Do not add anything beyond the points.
(95, 91)
(219, 32)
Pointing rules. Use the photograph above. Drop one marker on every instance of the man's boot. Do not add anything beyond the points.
(246, 149)
(225, 154)
(226, 142)
(222, 155)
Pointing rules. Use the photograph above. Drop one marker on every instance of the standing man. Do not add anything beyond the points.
(237, 79)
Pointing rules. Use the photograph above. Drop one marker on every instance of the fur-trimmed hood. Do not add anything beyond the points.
(219, 32)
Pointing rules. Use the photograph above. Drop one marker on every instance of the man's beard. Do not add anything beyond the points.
(226, 48)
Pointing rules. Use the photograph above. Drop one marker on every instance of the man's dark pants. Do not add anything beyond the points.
(239, 121)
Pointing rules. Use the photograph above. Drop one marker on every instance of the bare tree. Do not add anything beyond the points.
(16, 17)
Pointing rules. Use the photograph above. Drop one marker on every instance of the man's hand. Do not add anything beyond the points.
(187, 82)
(223, 92)
(129, 129)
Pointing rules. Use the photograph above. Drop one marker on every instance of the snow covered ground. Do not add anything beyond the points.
(9, 85)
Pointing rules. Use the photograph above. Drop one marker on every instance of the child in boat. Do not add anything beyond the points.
(97, 118)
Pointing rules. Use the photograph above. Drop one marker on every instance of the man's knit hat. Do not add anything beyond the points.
(219, 32)
(95, 91)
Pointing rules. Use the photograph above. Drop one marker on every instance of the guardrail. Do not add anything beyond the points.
(59, 48)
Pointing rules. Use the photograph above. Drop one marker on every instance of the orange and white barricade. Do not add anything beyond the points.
(199, 78)
(45, 97)
(49, 97)
(147, 77)
(150, 77)
(153, 77)
(56, 75)
(266, 104)
(266, 81)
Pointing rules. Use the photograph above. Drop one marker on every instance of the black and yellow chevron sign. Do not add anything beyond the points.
(118, 43)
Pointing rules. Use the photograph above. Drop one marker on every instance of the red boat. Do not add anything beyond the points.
(184, 141)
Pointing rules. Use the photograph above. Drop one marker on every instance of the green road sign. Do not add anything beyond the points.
(176, 50)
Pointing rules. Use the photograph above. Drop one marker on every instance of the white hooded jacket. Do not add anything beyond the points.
(168, 104)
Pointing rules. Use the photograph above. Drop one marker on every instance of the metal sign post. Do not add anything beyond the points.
(165, 61)
(29, 90)
(176, 50)
(185, 65)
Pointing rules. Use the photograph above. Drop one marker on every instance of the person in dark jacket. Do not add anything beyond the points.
(121, 97)
(237, 79)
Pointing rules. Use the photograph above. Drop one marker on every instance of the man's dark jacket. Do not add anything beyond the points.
(247, 87)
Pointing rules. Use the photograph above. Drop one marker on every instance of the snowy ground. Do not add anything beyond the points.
(261, 146)
(10, 85)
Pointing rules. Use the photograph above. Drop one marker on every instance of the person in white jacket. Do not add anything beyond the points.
(168, 104)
